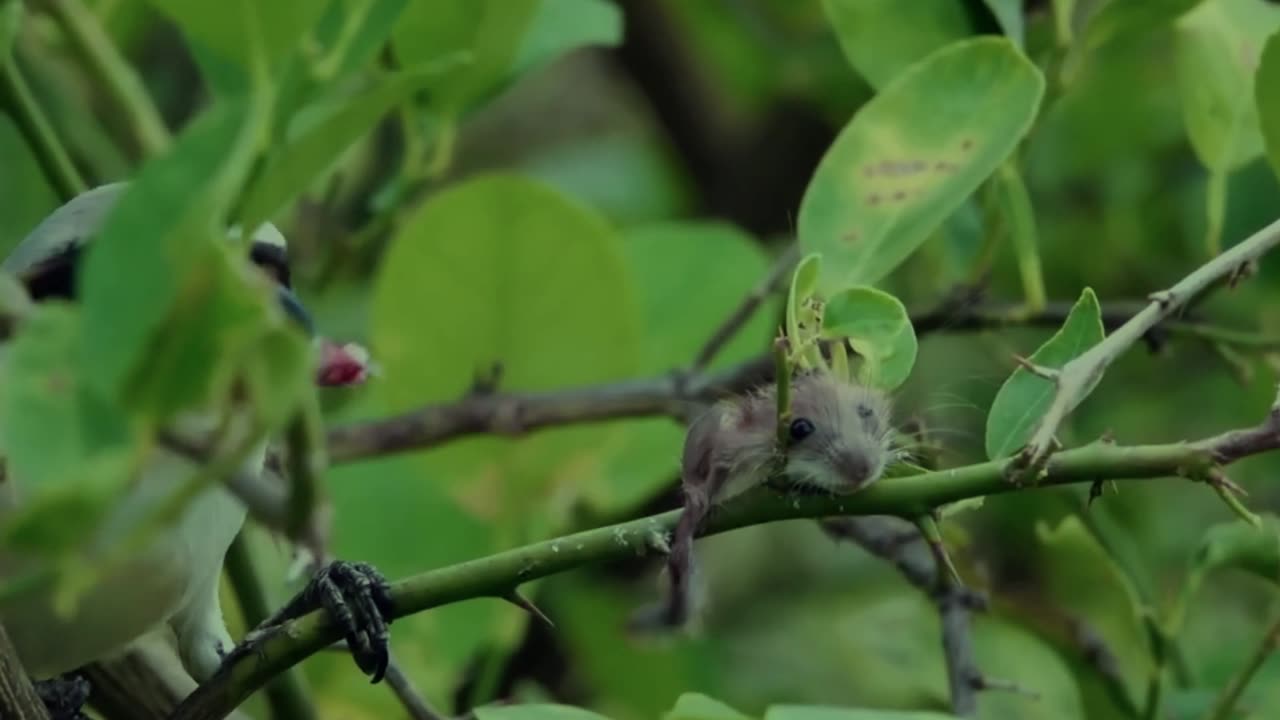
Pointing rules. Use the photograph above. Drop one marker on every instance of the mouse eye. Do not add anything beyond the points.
(801, 428)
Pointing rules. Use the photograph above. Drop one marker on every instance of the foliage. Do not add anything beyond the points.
(578, 193)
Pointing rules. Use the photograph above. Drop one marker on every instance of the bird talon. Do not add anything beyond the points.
(358, 599)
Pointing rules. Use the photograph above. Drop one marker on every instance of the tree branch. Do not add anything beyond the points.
(1222, 708)
(770, 283)
(18, 699)
(1078, 377)
(672, 393)
(907, 497)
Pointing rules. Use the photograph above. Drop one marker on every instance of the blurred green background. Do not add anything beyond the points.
(626, 182)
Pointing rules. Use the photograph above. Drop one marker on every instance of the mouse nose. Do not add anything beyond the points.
(853, 467)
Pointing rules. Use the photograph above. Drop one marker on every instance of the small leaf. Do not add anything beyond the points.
(564, 25)
(696, 706)
(1267, 95)
(1024, 397)
(1216, 55)
(536, 712)
(911, 156)
(804, 279)
(879, 329)
(1009, 14)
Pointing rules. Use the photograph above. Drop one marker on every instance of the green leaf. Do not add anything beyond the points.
(1267, 96)
(1242, 546)
(489, 31)
(1015, 206)
(816, 712)
(501, 269)
(696, 706)
(1009, 14)
(883, 37)
(1216, 54)
(564, 25)
(689, 277)
(311, 152)
(1024, 397)
(804, 280)
(1117, 20)
(536, 712)
(879, 329)
(232, 30)
(911, 156)
(67, 450)
(161, 234)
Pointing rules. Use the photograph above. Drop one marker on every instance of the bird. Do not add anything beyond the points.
(172, 581)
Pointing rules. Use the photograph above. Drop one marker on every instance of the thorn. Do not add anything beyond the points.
(486, 382)
(1095, 492)
(515, 598)
(986, 683)
(1241, 272)
(1163, 298)
(1037, 370)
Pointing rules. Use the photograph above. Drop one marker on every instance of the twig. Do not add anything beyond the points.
(413, 702)
(113, 73)
(38, 131)
(1078, 377)
(911, 496)
(1221, 709)
(770, 283)
(18, 699)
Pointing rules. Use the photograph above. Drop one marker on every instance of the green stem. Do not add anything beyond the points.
(1022, 231)
(1215, 211)
(113, 74)
(1226, 702)
(38, 132)
(908, 497)
(286, 695)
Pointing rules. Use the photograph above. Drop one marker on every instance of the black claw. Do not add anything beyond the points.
(358, 598)
(64, 696)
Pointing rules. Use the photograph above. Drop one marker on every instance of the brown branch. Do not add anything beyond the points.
(674, 393)
(18, 699)
(768, 285)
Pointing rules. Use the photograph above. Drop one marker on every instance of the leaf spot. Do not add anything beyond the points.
(966, 144)
(850, 237)
(900, 195)
(873, 199)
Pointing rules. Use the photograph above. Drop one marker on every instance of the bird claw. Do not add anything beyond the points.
(358, 600)
(64, 696)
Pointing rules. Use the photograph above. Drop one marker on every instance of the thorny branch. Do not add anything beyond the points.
(906, 497)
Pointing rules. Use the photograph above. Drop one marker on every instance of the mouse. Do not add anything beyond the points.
(839, 441)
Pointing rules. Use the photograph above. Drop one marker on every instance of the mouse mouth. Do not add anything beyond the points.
(854, 468)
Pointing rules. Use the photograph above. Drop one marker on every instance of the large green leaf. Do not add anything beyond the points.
(879, 329)
(882, 37)
(689, 277)
(1217, 52)
(67, 449)
(911, 155)
(501, 269)
(1024, 397)
(158, 283)
(1267, 96)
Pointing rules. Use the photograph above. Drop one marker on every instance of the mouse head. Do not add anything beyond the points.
(839, 436)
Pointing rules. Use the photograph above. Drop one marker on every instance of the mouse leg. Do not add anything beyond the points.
(357, 598)
(64, 696)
